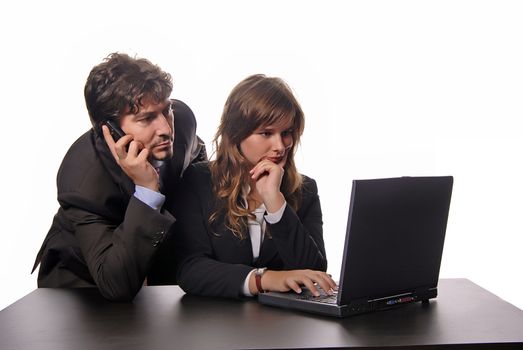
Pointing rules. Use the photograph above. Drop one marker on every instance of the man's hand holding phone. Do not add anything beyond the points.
(132, 157)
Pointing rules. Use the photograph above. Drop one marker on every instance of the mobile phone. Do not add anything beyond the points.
(114, 129)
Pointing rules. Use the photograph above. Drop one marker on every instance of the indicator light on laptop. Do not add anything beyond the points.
(400, 300)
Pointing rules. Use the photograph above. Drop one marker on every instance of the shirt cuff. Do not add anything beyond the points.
(152, 198)
(245, 290)
(273, 218)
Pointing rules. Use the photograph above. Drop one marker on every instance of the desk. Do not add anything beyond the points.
(463, 316)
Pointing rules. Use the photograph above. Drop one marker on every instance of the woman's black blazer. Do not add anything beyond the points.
(217, 263)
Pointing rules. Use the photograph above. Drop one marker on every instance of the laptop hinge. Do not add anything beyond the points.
(425, 293)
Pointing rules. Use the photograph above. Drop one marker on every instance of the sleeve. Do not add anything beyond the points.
(200, 272)
(152, 198)
(273, 218)
(299, 236)
(118, 256)
(245, 290)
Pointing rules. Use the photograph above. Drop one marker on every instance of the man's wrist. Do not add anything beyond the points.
(152, 185)
(153, 199)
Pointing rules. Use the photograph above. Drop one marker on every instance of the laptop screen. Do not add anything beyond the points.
(395, 234)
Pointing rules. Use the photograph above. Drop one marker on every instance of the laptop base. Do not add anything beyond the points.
(295, 301)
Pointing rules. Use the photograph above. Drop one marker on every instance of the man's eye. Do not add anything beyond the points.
(147, 119)
(167, 112)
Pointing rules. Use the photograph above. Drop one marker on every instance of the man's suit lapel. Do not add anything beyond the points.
(184, 137)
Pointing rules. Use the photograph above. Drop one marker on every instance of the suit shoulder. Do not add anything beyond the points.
(185, 121)
(199, 168)
(81, 146)
(79, 159)
(309, 184)
(82, 172)
(198, 173)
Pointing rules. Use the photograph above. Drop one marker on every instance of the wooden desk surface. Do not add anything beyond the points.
(463, 316)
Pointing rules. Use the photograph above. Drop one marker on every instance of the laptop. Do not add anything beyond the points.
(393, 248)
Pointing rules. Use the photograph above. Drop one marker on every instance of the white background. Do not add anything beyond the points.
(389, 88)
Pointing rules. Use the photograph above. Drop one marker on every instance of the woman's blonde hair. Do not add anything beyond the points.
(255, 102)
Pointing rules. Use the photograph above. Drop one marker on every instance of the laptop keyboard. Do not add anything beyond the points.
(323, 298)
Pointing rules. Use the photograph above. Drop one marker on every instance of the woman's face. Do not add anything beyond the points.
(272, 142)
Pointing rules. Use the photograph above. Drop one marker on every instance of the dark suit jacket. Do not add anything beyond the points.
(216, 264)
(104, 236)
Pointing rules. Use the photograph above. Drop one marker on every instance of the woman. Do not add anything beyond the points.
(250, 222)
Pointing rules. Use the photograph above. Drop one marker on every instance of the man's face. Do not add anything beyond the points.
(153, 127)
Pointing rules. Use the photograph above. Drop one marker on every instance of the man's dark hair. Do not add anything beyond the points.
(118, 85)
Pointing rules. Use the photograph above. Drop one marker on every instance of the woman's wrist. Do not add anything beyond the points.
(253, 289)
(263, 281)
(273, 202)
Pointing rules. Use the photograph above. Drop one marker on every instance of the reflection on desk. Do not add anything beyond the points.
(463, 316)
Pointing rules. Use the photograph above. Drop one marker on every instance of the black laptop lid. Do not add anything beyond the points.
(396, 229)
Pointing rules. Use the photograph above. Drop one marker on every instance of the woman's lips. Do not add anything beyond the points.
(276, 160)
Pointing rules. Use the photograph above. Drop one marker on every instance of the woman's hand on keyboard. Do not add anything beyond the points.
(284, 281)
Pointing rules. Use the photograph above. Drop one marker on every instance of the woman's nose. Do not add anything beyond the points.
(278, 143)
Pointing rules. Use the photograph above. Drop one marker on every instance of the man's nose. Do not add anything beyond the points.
(165, 124)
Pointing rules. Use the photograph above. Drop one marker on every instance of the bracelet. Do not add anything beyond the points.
(257, 277)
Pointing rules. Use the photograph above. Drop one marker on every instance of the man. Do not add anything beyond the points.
(111, 230)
